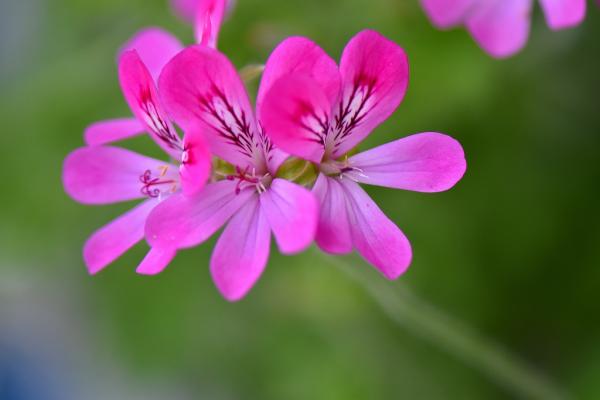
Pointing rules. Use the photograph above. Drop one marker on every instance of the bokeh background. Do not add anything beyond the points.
(513, 250)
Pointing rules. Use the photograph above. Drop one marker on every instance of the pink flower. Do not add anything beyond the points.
(203, 92)
(321, 112)
(206, 15)
(501, 27)
(101, 174)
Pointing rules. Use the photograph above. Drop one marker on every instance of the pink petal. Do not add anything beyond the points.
(209, 17)
(155, 46)
(447, 13)
(104, 132)
(113, 240)
(299, 55)
(182, 221)
(425, 162)
(196, 164)
(295, 114)
(185, 9)
(140, 92)
(292, 213)
(375, 237)
(333, 231)
(100, 175)
(501, 28)
(562, 14)
(202, 90)
(156, 261)
(241, 253)
(374, 79)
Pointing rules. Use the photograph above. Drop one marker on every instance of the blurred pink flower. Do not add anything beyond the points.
(202, 91)
(100, 174)
(501, 27)
(320, 112)
(206, 15)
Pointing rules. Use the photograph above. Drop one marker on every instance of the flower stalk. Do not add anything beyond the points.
(449, 334)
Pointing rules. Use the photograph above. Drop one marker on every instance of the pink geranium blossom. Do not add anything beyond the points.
(320, 112)
(206, 15)
(501, 27)
(203, 92)
(101, 174)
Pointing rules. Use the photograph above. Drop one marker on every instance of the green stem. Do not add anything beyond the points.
(452, 336)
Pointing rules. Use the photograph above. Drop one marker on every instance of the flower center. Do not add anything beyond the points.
(156, 185)
(340, 168)
(246, 178)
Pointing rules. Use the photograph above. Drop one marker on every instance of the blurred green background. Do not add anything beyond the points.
(513, 250)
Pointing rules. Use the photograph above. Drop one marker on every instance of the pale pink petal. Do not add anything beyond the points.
(299, 55)
(139, 90)
(447, 13)
(374, 79)
(185, 221)
(155, 46)
(101, 175)
(501, 28)
(113, 240)
(185, 9)
(425, 162)
(292, 213)
(113, 130)
(196, 163)
(562, 14)
(202, 90)
(241, 253)
(333, 231)
(156, 261)
(375, 237)
(295, 114)
(209, 17)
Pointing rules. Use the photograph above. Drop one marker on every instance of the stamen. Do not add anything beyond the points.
(246, 179)
(150, 185)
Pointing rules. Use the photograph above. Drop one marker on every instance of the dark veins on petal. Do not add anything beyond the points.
(233, 124)
(318, 131)
(155, 122)
(352, 111)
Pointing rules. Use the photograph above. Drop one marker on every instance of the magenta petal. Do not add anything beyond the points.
(156, 261)
(375, 237)
(185, 221)
(425, 162)
(155, 47)
(241, 253)
(101, 175)
(562, 14)
(196, 164)
(113, 240)
(299, 55)
(333, 231)
(501, 28)
(139, 90)
(374, 80)
(209, 17)
(113, 130)
(202, 90)
(292, 213)
(295, 114)
(447, 13)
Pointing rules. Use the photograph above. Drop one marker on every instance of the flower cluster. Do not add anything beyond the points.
(501, 27)
(286, 168)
